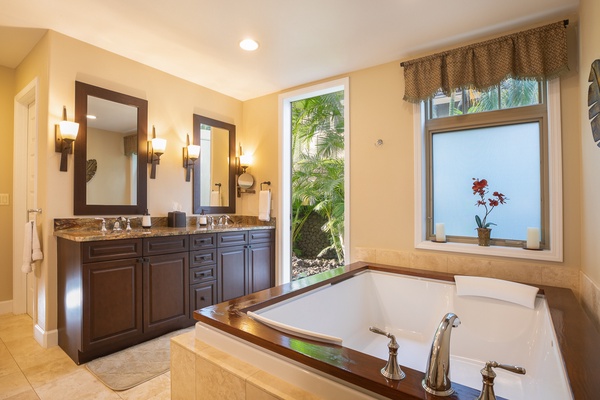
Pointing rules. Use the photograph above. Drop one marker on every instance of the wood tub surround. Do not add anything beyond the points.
(577, 337)
(118, 290)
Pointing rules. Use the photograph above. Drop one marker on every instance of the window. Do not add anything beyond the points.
(510, 136)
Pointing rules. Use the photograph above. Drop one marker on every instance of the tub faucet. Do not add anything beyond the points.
(437, 374)
(488, 375)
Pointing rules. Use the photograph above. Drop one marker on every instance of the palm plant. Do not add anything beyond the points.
(318, 165)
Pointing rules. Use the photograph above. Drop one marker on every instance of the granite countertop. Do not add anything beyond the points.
(88, 230)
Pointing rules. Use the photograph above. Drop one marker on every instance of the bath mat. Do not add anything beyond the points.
(135, 365)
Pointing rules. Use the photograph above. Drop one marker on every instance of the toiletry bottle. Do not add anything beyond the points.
(202, 219)
(146, 221)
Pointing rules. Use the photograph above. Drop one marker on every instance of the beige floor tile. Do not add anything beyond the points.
(15, 327)
(78, 385)
(28, 354)
(7, 362)
(49, 369)
(28, 395)
(158, 388)
(13, 384)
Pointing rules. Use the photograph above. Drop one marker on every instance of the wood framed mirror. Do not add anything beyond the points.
(214, 171)
(110, 152)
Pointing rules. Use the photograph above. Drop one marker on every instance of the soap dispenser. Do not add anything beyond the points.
(146, 220)
(202, 219)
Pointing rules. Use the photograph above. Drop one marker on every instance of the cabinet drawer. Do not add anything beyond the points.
(166, 245)
(201, 274)
(232, 238)
(260, 235)
(203, 241)
(203, 257)
(111, 250)
(202, 295)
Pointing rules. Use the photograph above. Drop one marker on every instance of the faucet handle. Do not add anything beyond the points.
(103, 228)
(391, 370)
(488, 375)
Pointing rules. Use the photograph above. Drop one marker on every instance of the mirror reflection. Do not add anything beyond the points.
(214, 173)
(110, 157)
(112, 144)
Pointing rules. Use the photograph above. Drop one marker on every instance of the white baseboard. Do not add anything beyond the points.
(6, 307)
(46, 339)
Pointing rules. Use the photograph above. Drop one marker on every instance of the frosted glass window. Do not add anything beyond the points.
(508, 157)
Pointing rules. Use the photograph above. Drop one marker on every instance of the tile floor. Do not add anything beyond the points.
(28, 371)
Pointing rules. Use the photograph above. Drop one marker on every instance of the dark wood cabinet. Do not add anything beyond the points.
(246, 262)
(116, 293)
(112, 306)
(203, 272)
(113, 294)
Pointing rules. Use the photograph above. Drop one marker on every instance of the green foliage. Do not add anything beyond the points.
(318, 165)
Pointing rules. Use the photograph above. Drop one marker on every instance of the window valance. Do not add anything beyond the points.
(539, 53)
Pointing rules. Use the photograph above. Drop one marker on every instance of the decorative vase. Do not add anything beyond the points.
(483, 235)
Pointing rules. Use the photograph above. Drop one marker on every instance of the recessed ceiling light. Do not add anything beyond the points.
(249, 44)
(90, 116)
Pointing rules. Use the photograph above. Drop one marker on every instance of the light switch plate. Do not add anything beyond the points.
(4, 199)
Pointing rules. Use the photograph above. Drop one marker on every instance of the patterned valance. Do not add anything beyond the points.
(539, 53)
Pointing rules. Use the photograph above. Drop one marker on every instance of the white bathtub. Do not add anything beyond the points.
(411, 308)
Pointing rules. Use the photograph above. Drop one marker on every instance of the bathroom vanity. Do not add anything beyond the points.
(119, 289)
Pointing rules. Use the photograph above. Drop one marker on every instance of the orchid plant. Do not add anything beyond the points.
(480, 188)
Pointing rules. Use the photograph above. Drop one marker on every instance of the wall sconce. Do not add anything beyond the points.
(244, 161)
(244, 180)
(190, 154)
(156, 148)
(65, 134)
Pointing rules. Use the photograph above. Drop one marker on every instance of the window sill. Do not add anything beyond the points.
(496, 251)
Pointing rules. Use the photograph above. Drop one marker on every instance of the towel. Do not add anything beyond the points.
(31, 247)
(513, 292)
(215, 198)
(264, 205)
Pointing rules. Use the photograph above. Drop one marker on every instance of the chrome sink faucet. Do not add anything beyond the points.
(437, 374)
(223, 220)
(117, 225)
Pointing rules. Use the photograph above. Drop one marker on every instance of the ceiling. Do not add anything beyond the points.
(300, 41)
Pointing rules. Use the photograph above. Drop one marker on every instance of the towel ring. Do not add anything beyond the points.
(265, 183)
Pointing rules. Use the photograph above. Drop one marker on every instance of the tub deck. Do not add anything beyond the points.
(577, 337)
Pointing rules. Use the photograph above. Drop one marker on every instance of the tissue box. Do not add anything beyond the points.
(176, 219)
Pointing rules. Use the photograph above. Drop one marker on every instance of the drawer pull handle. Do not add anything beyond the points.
(200, 274)
(202, 298)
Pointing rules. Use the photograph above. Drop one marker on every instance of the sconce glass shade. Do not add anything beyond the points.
(193, 151)
(69, 130)
(159, 145)
(245, 160)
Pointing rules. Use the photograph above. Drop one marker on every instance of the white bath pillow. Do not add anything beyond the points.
(513, 292)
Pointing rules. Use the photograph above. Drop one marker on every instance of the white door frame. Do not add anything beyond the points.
(20, 157)
(283, 273)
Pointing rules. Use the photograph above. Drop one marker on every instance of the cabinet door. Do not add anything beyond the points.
(262, 269)
(232, 272)
(112, 303)
(166, 292)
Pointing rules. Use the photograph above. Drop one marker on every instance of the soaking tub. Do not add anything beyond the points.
(318, 337)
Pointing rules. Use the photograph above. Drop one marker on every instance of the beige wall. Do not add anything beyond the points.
(382, 178)
(590, 164)
(7, 83)
(58, 61)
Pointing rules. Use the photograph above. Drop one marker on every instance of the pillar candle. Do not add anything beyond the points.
(533, 238)
(440, 233)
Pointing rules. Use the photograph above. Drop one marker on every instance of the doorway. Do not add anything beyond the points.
(24, 194)
(287, 221)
